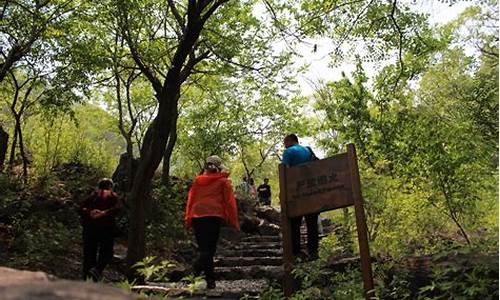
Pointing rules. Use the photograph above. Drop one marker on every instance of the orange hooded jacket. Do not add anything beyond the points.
(211, 195)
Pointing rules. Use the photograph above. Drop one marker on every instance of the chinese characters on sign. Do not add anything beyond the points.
(319, 186)
(316, 185)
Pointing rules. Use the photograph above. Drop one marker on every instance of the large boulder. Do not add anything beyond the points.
(250, 224)
(269, 213)
(26, 285)
(10, 277)
(266, 228)
(121, 176)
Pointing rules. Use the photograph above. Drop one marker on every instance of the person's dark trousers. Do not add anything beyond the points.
(265, 200)
(97, 249)
(312, 235)
(206, 231)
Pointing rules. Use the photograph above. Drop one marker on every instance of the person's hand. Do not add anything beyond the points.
(96, 214)
(93, 213)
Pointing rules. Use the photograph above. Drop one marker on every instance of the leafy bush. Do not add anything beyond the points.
(272, 293)
(391, 282)
(166, 223)
(153, 270)
(193, 283)
(347, 284)
(464, 274)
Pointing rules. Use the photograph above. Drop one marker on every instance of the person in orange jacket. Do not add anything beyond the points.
(210, 204)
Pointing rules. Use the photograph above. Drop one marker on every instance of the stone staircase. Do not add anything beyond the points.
(246, 266)
(243, 267)
(253, 258)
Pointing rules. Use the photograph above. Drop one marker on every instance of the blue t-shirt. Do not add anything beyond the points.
(296, 155)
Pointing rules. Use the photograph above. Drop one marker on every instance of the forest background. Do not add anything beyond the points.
(172, 82)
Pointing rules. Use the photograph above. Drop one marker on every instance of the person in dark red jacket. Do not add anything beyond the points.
(210, 203)
(98, 213)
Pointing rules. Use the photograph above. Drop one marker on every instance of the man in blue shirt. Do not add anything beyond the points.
(296, 154)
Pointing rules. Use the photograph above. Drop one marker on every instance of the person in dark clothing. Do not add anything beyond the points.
(264, 191)
(206, 232)
(296, 154)
(98, 213)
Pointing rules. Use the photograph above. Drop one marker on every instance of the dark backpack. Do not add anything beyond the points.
(313, 155)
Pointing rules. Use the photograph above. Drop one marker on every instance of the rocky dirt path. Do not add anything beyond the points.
(245, 266)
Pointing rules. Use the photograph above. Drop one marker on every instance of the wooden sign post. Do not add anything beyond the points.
(318, 186)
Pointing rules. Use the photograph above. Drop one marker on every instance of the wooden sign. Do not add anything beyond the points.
(319, 186)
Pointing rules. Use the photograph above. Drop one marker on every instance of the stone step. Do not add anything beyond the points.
(256, 245)
(241, 287)
(225, 289)
(248, 261)
(262, 238)
(249, 272)
(249, 253)
(326, 230)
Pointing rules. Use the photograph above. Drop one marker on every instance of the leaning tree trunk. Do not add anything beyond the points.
(12, 157)
(23, 154)
(156, 138)
(152, 152)
(172, 139)
(4, 144)
(130, 164)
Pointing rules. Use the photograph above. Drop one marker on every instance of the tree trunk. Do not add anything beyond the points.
(127, 135)
(4, 144)
(55, 156)
(168, 151)
(156, 138)
(23, 154)
(152, 152)
(14, 144)
(460, 227)
(130, 164)
(453, 213)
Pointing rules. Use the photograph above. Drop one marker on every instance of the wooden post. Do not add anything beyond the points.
(287, 236)
(327, 184)
(360, 223)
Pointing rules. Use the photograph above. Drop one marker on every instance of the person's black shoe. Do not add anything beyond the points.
(301, 257)
(313, 257)
(210, 284)
(197, 270)
(95, 275)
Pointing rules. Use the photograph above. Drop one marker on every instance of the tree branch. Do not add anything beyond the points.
(211, 10)
(4, 9)
(282, 28)
(353, 24)
(400, 54)
(147, 71)
(193, 60)
(231, 62)
(178, 17)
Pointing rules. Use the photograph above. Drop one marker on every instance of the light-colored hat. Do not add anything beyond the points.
(105, 182)
(216, 161)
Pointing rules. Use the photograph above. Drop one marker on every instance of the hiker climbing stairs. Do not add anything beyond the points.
(247, 262)
(245, 267)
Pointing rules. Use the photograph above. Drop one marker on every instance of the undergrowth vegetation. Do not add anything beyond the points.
(420, 104)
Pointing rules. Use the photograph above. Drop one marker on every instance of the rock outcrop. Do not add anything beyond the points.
(26, 285)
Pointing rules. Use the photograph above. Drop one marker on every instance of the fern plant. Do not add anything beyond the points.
(151, 271)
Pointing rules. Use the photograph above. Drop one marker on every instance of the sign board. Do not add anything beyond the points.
(318, 186)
